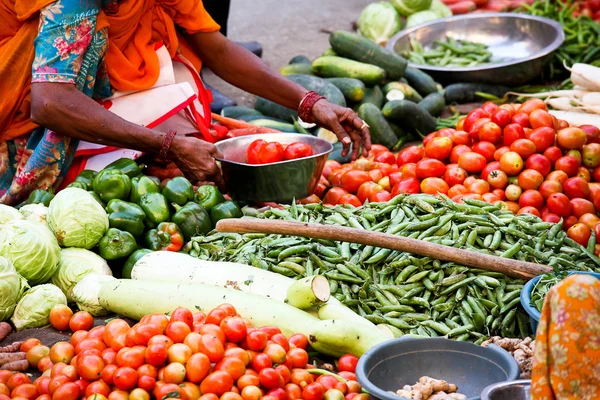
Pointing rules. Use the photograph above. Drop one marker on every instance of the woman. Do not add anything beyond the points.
(57, 56)
(566, 362)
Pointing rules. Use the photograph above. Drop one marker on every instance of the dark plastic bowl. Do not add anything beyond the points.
(534, 314)
(395, 363)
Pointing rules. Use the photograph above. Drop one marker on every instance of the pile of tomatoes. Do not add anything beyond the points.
(261, 152)
(218, 355)
(516, 154)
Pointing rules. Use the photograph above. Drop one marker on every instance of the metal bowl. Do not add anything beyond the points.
(524, 43)
(515, 390)
(279, 182)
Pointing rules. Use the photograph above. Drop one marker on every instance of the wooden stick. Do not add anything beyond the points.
(507, 266)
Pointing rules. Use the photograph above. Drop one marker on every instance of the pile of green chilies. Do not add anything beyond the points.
(417, 295)
(582, 34)
(542, 286)
(450, 53)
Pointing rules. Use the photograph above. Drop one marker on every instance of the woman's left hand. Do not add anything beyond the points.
(346, 125)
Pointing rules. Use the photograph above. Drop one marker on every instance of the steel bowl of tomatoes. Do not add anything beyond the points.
(274, 167)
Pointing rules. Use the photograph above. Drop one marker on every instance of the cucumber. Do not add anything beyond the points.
(321, 86)
(401, 91)
(301, 59)
(434, 103)
(462, 93)
(336, 154)
(280, 126)
(236, 112)
(356, 47)
(329, 52)
(249, 118)
(300, 128)
(293, 69)
(381, 131)
(423, 83)
(338, 67)
(352, 89)
(410, 116)
(373, 95)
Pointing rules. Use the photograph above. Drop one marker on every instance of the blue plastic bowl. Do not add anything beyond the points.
(534, 314)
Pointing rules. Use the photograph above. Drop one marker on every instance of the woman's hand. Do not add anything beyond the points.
(346, 125)
(196, 159)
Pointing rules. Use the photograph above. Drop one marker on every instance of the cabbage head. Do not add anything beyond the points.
(74, 265)
(77, 219)
(421, 18)
(33, 310)
(85, 294)
(8, 213)
(409, 7)
(379, 22)
(34, 212)
(442, 10)
(32, 249)
(12, 286)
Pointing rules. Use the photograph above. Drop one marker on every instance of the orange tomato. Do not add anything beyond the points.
(511, 163)
(60, 315)
(81, 321)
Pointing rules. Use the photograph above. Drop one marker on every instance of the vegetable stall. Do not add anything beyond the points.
(127, 284)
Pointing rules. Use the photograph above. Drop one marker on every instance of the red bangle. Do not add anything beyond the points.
(306, 106)
(166, 144)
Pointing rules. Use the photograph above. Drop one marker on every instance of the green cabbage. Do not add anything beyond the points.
(32, 249)
(409, 7)
(379, 22)
(442, 10)
(7, 213)
(85, 294)
(34, 212)
(12, 286)
(420, 18)
(77, 219)
(74, 265)
(33, 310)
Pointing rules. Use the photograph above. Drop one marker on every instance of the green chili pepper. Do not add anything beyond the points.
(140, 186)
(112, 184)
(116, 244)
(227, 209)
(208, 196)
(192, 219)
(126, 216)
(156, 207)
(133, 258)
(40, 196)
(178, 190)
(126, 166)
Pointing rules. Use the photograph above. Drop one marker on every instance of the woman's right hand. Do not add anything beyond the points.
(196, 159)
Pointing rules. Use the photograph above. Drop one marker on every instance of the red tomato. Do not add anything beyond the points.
(314, 391)
(521, 119)
(375, 175)
(512, 132)
(591, 220)
(501, 118)
(523, 147)
(471, 118)
(486, 149)
(479, 186)
(335, 177)
(253, 150)
(234, 329)
(576, 154)
(454, 175)
(489, 107)
(461, 137)
(352, 180)
(500, 152)
(558, 176)
(366, 189)
(81, 320)
(489, 168)
(591, 155)
(350, 199)
(408, 186)
(539, 163)
(529, 210)
(411, 154)
(330, 166)
(548, 188)
(184, 315)
(553, 153)
(551, 218)
(408, 170)
(434, 186)
(60, 315)
(592, 133)
(531, 198)
(542, 138)
(333, 195)
(67, 391)
(457, 151)
(472, 162)
(530, 179)
(380, 196)
(386, 157)
(297, 150)
(540, 118)
(497, 179)
(438, 148)
(576, 187)
(490, 132)
(559, 204)
(570, 138)
(125, 378)
(430, 167)
(219, 382)
(580, 233)
(457, 190)
(582, 207)
(532, 104)
(511, 163)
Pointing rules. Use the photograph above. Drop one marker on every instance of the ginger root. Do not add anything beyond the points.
(428, 388)
(438, 384)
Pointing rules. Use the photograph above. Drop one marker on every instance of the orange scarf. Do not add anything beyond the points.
(131, 59)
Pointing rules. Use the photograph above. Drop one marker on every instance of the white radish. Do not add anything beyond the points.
(560, 103)
(577, 118)
(585, 75)
(591, 99)
(554, 93)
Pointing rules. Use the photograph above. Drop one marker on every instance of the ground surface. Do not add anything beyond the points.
(286, 28)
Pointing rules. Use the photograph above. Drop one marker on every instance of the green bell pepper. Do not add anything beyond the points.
(192, 219)
(116, 244)
(225, 210)
(141, 185)
(208, 196)
(155, 180)
(78, 185)
(97, 198)
(166, 237)
(86, 176)
(126, 166)
(156, 207)
(112, 184)
(40, 196)
(133, 258)
(126, 216)
(178, 190)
